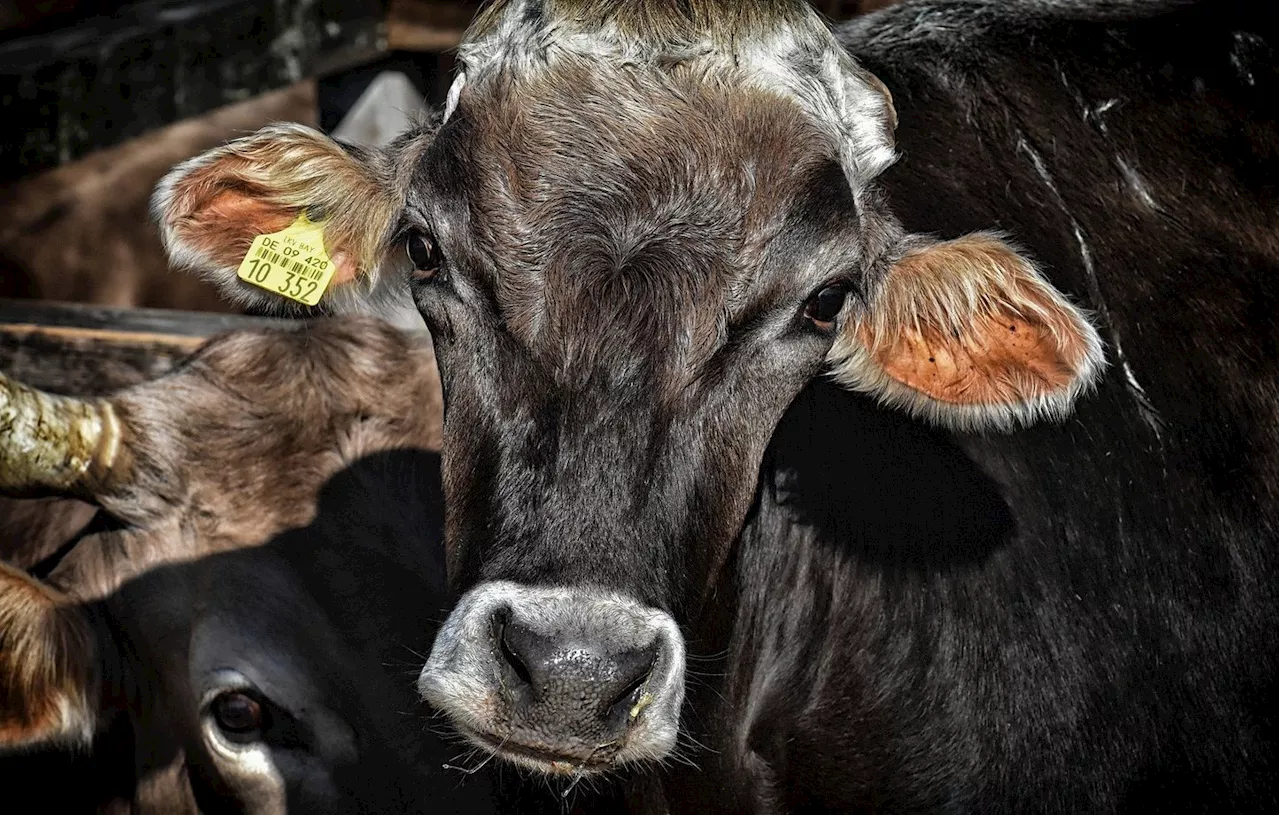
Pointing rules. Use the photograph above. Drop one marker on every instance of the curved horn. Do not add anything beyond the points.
(56, 444)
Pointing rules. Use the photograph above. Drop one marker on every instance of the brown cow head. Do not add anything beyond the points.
(637, 232)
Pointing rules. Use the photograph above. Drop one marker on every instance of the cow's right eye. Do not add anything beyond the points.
(424, 255)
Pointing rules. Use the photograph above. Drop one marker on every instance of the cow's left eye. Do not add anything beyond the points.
(823, 307)
(424, 255)
(238, 714)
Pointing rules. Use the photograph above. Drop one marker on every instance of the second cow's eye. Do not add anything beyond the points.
(238, 714)
(423, 254)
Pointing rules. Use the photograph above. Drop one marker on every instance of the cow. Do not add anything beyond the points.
(880, 419)
(239, 628)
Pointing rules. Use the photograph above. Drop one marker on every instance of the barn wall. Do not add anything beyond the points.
(82, 232)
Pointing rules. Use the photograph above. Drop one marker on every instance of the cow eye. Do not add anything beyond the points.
(238, 714)
(423, 254)
(823, 308)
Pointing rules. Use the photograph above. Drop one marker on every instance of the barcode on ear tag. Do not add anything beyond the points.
(291, 263)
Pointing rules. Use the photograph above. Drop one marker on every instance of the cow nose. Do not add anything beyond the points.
(563, 680)
(587, 678)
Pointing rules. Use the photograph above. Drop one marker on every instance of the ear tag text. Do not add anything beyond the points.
(291, 263)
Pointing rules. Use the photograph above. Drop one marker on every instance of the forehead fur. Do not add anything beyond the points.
(647, 24)
(776, 45)
(631, 214)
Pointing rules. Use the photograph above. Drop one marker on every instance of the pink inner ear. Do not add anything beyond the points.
(223, 226)
(345, 267)
(970, 322)
(214, 206)
(1001, 358)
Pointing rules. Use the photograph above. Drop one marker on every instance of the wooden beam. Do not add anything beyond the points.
(428, 25)
(93, 350)
(130, 320)
(83, 350)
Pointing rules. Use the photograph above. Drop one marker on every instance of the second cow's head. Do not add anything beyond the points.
(637, 231)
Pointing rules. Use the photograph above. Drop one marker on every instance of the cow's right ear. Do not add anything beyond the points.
(212, 207)
(49, 669)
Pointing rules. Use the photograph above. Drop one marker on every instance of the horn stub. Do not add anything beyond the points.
(56, 444)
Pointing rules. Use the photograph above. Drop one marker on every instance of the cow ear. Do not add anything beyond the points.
(49, 675)
(968, 334)
(212, 207)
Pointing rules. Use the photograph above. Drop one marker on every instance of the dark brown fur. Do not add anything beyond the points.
(616, 233)
(32, 529)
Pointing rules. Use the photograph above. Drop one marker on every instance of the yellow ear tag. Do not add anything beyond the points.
(291, 263)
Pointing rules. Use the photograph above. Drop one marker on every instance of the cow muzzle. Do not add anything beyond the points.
(557, 679)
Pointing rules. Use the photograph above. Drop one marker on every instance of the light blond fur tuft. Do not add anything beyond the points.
(780, 46)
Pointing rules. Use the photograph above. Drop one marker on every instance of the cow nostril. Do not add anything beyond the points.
(628, 704)
(594, 683)
(513, 659)
(631, 693)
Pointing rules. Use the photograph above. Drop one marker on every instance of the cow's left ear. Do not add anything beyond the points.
(968, 334)
(49, 673)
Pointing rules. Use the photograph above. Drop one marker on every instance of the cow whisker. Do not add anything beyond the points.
(685, 735)
(420, 656)
(718, 655)
(478, 767)
(577, 777)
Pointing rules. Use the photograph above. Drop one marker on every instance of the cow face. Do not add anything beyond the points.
(268, 679)
(639, 231)
(252, 613)
(615, 356)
